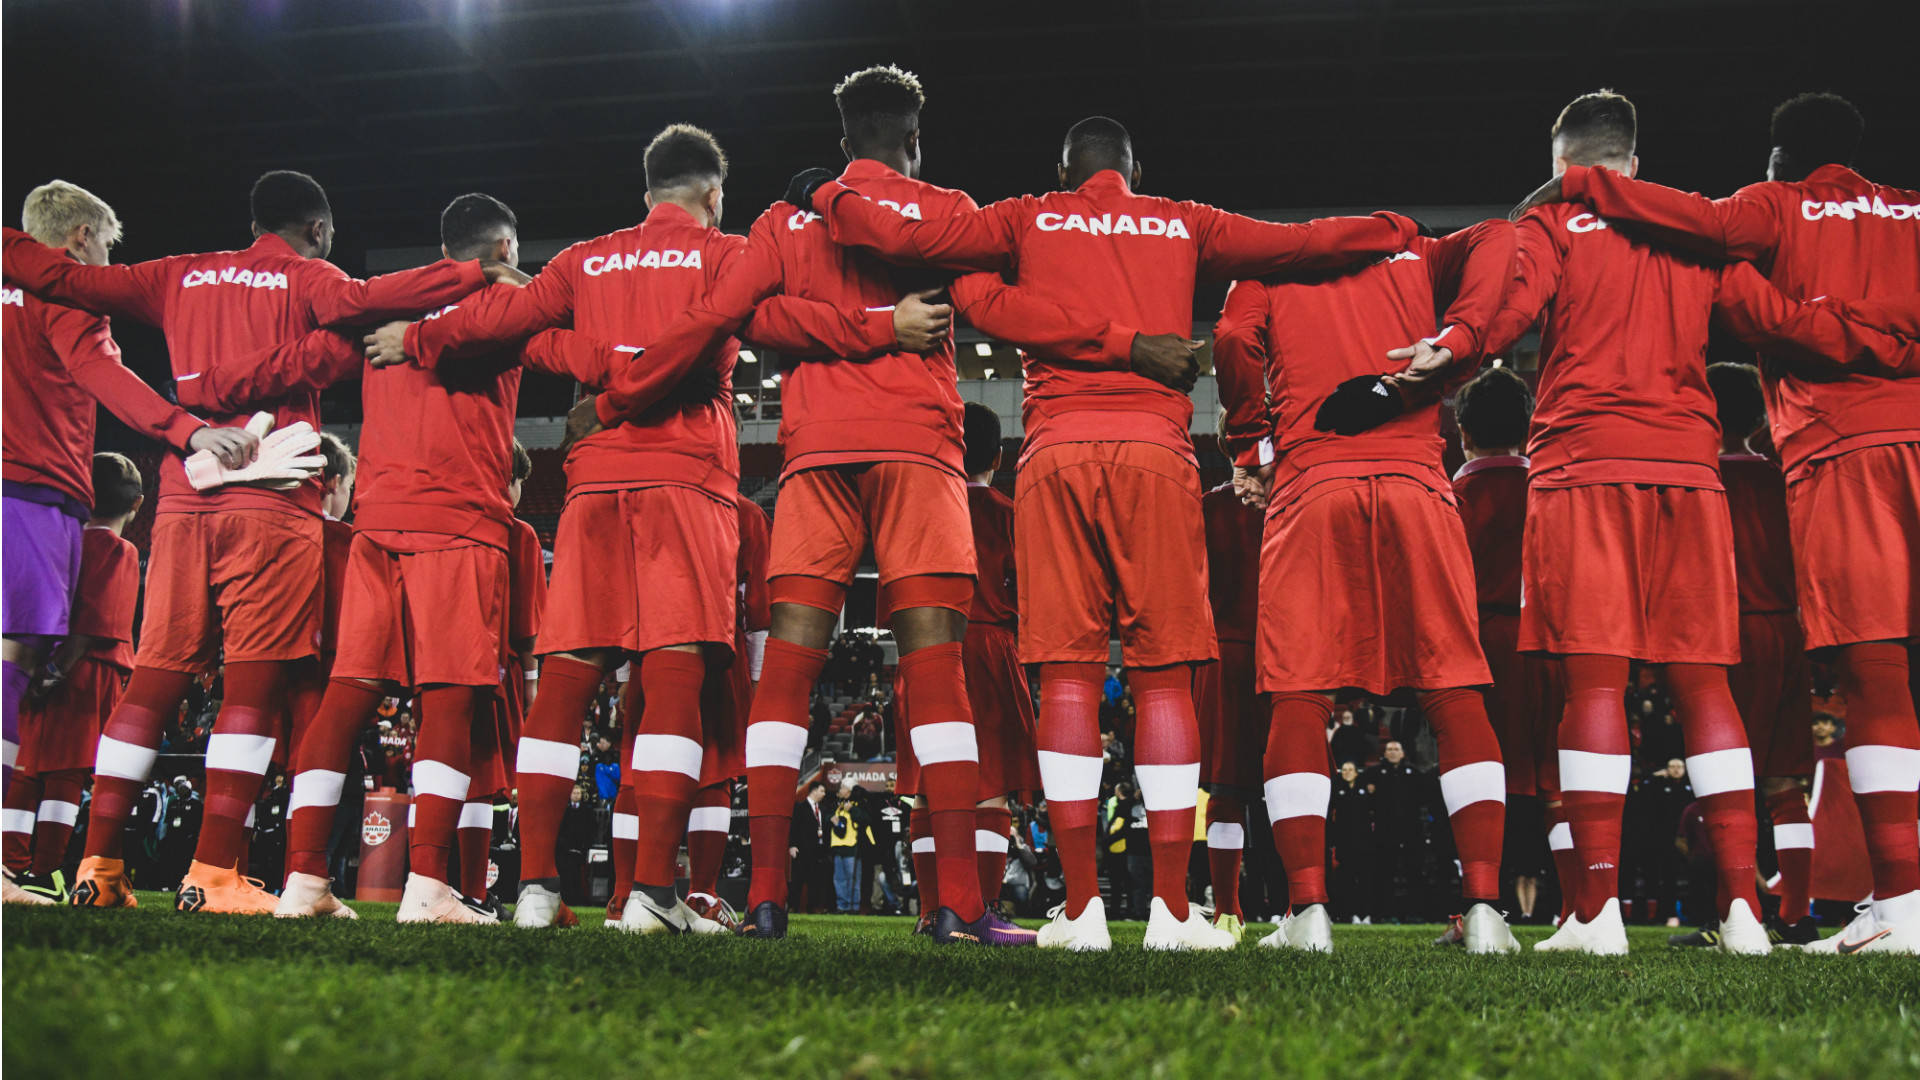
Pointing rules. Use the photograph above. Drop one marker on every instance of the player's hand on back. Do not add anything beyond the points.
(1424, 364)
(497, 272)
(234, 447)
(920, 325)
(1168, 359)
(1548, 192)
(1253, 485)
(582, 420)
(800, 189)
(387, 345)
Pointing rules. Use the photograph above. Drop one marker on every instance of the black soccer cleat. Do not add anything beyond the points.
(769, 921)
(1804, 932)
(1705, 938)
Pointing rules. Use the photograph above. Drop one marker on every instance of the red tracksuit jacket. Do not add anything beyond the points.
(1491, 494)
(1762, 544)
(1132, 258)
(227, 307)
(107, 595)
(59, 362)
(1234, 532)
(527, 584)
(1834, 234)
(1281, 348)
(996, 588)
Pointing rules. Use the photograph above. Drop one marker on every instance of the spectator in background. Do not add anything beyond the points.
(1654, 809)
(1113, 688)
(1350, 836)
(1133, 810)
(1400, 797)
(1693, 847)
(846, 830)
(1661, 740)
(1349, 741)
(579, 830)
(810, 874)
(1826, 735)
(891, 847)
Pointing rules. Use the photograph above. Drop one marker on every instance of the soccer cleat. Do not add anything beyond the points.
(1232, 924)
(1873, 930)
(1707, 937)
(1309, 929)
(616, 906)
(102, 882)
(923, 926)
(989, 929)
(13, 893)
(1804, 932)
(768, 920)
(218, 890)
(540, 906)
(1487, 932)
(309, 895)
(1088, 933)
(1741, 933)
(488, 905)
(1455, 933)
(1191, 934)
(643, 916)
(1606, 935)
(715, 910)
(430, 900)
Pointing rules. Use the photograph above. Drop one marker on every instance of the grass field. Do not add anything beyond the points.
(149, 993)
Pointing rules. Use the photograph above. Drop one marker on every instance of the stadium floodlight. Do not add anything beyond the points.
(768, 384)
(747, 357)
(744, 399)
(983, 349)
(986, 373)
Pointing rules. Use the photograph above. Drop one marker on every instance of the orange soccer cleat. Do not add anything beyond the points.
(102, 882)
(222, 891)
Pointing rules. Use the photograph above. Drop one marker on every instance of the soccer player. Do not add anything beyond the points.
(1850, 447)
(235, 570)
(1233, 715)
(1366, 579)
(72, 696)
(60, 362)
(1527, 696)
(644, 561)
(1108, 497)
(426, 595)
(1773, 683)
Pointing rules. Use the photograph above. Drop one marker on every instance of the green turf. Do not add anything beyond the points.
(150, 993)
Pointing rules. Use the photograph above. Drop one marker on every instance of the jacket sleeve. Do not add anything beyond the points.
(306, 364)
(85, 345)
(1475, 266)
(574, 355)
(1234, 246)
(1745, 225)
(981, 239)
(1061, 334)
(137, 291)
(336, 299)
(1536, 277)
(494, 316)
(797, 327)
(1807, 334)
(1240, 368)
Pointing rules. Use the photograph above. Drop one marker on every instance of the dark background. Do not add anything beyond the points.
(169, 108)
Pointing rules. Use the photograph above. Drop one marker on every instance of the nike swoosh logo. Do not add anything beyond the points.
(1848, 948)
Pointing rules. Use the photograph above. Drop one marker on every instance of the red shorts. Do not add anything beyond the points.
(1528, 695)
(1367, 582)
(238, 584)
(641, 570)
(1773, 686)
(914, 515)
(422, 617)
(1003, 714)
(1856, 546)
(1233, 721)
(1636, 570)
(64, 731)
(725, 702)
(1106, 534)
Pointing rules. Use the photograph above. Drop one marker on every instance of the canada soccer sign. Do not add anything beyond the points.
(375, 829)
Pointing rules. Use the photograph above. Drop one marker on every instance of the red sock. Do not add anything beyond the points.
(1473, 784)
(926, 868)
(1069, 741)
(441, 758)
(1299, 787)
(776, 740)
(1883, 761)
(1226, 842)
(476, 846)
(1720, 768)
(128, 745)
(941, 728)
(53, 826)
(1566, 862)
(548, 761)
(666, 760)
(238, 757)
(1166, 761)
(1793, 845)
(991, 825)
(320, 762)
(707, 826)
(1595, 765)
(17, 821)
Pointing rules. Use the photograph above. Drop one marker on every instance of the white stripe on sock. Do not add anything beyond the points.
(1719, 771)
(439, 779)
(626, 826)
(476, 815)
(1560, 837)
(10, 752)
(775, 744)
(253, 813)
(548, 758)
(1298, 794)
(124, 760)
(938, 744)
(1793, 835)
(710, 819)
(1169, 787)
(413, 809)
(667, 753)
(1226, 836)
(1069, 777)
(1479, 781)
(922, 845)
(240, 753)
(1583, 770)
(20, 821)
(315, 787)
(1874, 768)
(988, 840)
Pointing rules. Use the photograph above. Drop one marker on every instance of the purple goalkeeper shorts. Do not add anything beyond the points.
(39, 562)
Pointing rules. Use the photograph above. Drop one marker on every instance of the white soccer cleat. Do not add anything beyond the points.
(1088, 933)
(429, 900)
(310, 895)
(539, 907)
(1194, 933)
(1742, 934)
(11, 893)
(1309, 930)
(1606, 935)
(1883, 926)
(1487, 932)
(643, 916)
